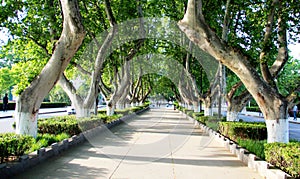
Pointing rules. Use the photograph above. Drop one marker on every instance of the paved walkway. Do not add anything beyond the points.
(158, 144)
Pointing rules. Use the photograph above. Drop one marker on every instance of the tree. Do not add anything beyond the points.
(263, 90)
(30, 99)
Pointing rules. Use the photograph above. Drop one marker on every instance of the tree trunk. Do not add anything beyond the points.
(236, 103)
(208, 111)
(120, 88)
(29, 101)
(271, 103)
(196, 106)
(110, 110)
(232, 116)
(278, 130)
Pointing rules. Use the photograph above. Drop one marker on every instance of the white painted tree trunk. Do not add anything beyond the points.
(208, 111)
(278, 130)
(28, 125)
(120, 106)
(128, 105)
(83, 112)
(232, 116)
(196, 106)
(110, 110)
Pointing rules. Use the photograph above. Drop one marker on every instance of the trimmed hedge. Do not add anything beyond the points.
(197, 114)
(284, 156)
(209, 121)
(127, 111)
(12, 105)
(253, 109)
(243, 130)
(57, 125)
(44, 140)
(14, 145)
(53, 105)
(71, 125)
(254, 146)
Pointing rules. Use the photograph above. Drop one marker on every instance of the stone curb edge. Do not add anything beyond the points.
(264, 168)
(10, 169)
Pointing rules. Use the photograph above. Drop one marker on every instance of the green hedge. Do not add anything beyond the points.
(284, 156)
(197, 114)
(53, 105)
(123, 111)
(209, 121)
(243, 130)
(14, 145)
(254, 146)
(57, 125)
(12, 105)
(253, 109)
(71, 125)
(127, 111)
(44, 140)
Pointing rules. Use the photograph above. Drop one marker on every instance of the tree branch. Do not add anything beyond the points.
(81, 69)
(109, 13)
(40, 45)
(282, 56)
(266, 46)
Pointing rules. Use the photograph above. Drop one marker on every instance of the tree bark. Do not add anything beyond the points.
(29, 101)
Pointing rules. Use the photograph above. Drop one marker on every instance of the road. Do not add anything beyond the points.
(6, 123)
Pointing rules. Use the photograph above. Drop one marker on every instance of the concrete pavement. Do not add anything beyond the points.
(161, 143)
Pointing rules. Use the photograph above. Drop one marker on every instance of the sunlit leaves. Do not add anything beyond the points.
(24, 72)
(289, 78)
(6, 80)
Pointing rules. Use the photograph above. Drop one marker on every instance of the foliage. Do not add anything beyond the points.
(164, 87)
(254, 146)
(253, 109)
(45, 140)
(14, 145)
(289, 78)
(23, 73)
(6, 80)
(243, 130)
(57, 125)
(210, 121)
(58, 95)
(284, 156)
(72, 125)
(95, 121)
(197, 114)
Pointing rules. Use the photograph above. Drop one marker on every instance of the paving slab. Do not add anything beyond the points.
(160, 143)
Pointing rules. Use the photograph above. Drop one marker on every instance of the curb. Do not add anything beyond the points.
(264, 168)
(7, 170)
(295, 122)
